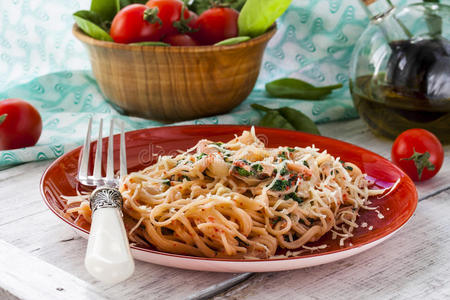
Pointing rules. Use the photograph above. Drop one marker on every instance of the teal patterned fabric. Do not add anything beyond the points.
(41, 62)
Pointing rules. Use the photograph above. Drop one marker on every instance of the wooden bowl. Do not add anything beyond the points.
(175, 83)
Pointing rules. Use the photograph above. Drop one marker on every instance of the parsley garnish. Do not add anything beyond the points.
(305, 163)
(257, 168)
(186, 177)
(280, 185)
(283, 155)
(294, 197)
(166, 182)
(201, 156)
(348, 168)
(291, 149)
(243, 172)
(284, 171)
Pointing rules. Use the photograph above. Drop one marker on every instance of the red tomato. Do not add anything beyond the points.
(135, 23)
(216, 24)
(419, 153)
(169, 11)
(180, 40)
(20, 124)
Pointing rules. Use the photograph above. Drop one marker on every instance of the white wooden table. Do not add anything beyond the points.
(41, 258)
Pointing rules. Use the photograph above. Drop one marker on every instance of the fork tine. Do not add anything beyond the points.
(123, 154)
(98, 154)
(83, 170)
(110, 158)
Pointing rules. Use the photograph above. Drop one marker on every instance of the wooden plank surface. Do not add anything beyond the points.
(26, 223)
(413, 264)
(28, 277)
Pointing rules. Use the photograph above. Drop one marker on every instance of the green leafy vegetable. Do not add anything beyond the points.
(124, 3)
(275, 120)
(258, 15)
(199, 6)
(232, 41)
(92, 24)
(297, 89)
(286, 118)
(106, 9)
(162, 44)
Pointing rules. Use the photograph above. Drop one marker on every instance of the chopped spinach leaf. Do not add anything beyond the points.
(291, 149)
(305, 163)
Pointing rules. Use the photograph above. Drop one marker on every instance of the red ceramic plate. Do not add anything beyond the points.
(396, 208)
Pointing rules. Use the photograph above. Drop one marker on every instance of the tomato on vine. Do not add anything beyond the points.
(136, 23)
(169, 12)
(419, 153)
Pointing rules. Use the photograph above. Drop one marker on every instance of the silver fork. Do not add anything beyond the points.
(108, 256)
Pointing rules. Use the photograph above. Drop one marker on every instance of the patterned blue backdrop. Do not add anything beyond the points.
(41, 62)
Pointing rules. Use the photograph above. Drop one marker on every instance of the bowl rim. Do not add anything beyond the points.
(81, 36)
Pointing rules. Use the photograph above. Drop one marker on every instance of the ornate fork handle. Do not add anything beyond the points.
(105, 197)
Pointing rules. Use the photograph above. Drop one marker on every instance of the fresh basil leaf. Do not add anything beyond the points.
(286, 118)
(90, 16)
(299, 120)
(297, 89)
(106, 9)
(273, 119)
(232, 41)
(124, 3)
(199, 6)
(162, 44)
(92, 29)
(258, 15)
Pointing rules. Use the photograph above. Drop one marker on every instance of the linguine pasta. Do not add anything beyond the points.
(240, 199)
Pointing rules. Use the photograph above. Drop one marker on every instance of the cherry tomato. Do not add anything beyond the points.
(180, 40)
(20, 124)
(418, 153)
(169, 12)
(216, 24)
(136, 23)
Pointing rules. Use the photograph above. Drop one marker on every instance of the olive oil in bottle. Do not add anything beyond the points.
(414, 90)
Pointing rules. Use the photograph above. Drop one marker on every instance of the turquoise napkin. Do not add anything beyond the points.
(314, 43)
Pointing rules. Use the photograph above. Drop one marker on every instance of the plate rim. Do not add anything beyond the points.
(247, 261)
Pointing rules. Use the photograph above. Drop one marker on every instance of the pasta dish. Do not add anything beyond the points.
(240, 199)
